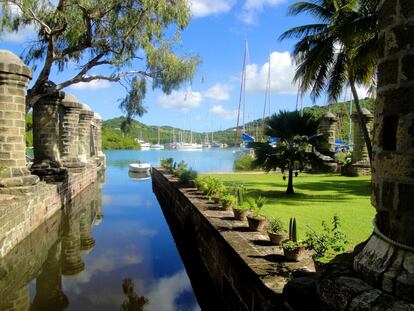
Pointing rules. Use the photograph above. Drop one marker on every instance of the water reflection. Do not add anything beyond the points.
(70, 263)
(139, 176)
(133, 302)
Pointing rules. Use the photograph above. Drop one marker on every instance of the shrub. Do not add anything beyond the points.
(228, 200)
(256, 205)
(244, 163)
(276, 225)
(214, 186)
(187, 175)
(329, 242)
(179, 169)
(167, 163)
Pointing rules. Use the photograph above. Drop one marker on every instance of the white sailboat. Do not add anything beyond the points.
(144, 145)
(157, 146)
(184, 146)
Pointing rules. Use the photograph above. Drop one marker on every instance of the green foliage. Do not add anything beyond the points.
(239, 192)
(134, 39)
(244, 163)
(293, 234)
(211, 186)
(256, 205)
(276, 225)
(180, 168)
(228, 200)
(29, 130)
(329, 242)
(167, 163)
(291, 245)
(113, 139)
(187, 175)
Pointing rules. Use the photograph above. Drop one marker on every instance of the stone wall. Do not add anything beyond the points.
(227, 264)
(21, 214)
(40, 256)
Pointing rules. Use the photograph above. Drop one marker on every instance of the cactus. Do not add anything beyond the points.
(292, 230)
(239, 194)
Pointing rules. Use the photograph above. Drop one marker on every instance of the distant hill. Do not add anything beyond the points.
(113, 138)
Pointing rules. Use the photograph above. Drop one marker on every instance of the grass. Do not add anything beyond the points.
(317, 198)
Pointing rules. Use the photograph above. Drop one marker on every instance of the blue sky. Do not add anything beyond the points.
(216, 34)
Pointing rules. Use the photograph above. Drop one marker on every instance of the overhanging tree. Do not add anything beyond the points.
(290, 154)
(126, 39)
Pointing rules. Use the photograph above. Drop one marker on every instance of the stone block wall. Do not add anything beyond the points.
(40, 256)
(21, 214)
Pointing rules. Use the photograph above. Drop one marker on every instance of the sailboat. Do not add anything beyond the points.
(144, 145)
(182, 145)
(157, 146)
(242, 105)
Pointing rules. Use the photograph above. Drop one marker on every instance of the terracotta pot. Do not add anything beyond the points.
(294, 254)
(215, 199)
(256, 224)
(319, 266)
(277, 238)
(226, 205)
(240, 214)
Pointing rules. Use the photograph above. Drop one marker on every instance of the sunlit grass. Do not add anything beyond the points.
(317, 198)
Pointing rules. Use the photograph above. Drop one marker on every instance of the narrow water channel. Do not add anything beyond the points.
(126, 256)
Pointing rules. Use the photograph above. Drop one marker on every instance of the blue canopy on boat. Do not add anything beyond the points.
(273, 139)
(247, 138)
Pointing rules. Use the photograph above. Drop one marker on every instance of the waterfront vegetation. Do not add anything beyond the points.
(318, 198)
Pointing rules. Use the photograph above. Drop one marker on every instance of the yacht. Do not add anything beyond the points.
(143, 144)
(157, 146)
(140, 167)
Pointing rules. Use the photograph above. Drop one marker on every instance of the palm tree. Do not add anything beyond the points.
(341, 48)
(293, 130)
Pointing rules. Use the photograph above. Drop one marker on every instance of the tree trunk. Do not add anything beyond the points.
(289, 189)
(361, 120)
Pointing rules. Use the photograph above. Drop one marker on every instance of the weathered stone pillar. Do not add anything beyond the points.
(49, 292)
(46, 162)
(85, 119)
(14, 77)
(69, 131)
(98, 139)
(19, 300)
(360, 165)
(72, 263)
(327, 127)
(387, 261)
(86, 239)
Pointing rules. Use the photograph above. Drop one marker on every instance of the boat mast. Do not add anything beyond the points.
(158, 135)
(267, 99)
(241, 97)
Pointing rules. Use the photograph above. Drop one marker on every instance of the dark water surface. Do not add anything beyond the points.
(110, 248)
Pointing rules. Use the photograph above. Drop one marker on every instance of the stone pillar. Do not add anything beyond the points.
(18, 300)
(387, 260)
(72, 263)
(14, 77)
(327, 127)
(360, 165)
(46, 162)
(69, 131)
(85, 119)
(98, 139)
(86, 239)
(49, 293)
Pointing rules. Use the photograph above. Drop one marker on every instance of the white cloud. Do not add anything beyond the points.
(93, 85)
(24, 34)
(203, 8)
(251, 8)
(181, 100)
(282, 70)
(218, 92)
(223, 113)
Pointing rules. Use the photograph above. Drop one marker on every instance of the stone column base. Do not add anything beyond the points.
(357, 169)
(387, 267)
(20, 181)
(72, 163)
(49, 171)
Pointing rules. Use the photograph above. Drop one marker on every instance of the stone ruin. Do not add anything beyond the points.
(66, 133)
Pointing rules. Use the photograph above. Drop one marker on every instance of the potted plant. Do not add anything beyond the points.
(227, 200)
(292, 249)
(256, 221)
(276, 231)
(187, 177)
(167, 163)
(326, 244)
(240, 210)
(214, 188)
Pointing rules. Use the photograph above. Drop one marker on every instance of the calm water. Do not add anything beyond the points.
(124, 240)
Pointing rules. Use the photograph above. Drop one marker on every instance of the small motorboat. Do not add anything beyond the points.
(140, 167)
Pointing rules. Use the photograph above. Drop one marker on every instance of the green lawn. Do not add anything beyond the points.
(317, 198)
